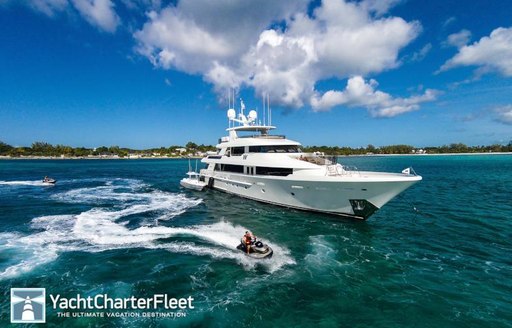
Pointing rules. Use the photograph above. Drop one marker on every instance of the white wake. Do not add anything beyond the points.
(101, 229)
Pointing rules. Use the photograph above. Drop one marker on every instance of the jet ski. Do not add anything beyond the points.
(258, 250)
(49, 181)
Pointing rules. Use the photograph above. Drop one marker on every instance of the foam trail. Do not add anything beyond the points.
(98, 229)
(322, 258)
(228, 236)
(119, 190)
(27, 256)
(37, 183)
(93, 230)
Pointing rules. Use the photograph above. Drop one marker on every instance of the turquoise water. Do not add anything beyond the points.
(126, 228)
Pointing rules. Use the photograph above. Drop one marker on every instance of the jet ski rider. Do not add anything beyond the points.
(248, 239)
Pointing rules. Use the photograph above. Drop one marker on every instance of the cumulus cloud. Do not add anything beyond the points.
(361, 93)
(141, 5)
(48, 7)
(490, 53)
(422, 53)
(458, 39)
(195, 35)
(275, 47)
(379, 7)
(504, 114)
(449, 21)
(99, 13)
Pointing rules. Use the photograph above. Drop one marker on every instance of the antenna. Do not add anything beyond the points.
(263, 98)
(242, 106)
(269, 110)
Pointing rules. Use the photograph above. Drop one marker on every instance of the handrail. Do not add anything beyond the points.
(341, 170)
(264, 136)
(318, 159)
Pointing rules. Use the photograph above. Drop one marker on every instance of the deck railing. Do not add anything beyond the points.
(332, 167)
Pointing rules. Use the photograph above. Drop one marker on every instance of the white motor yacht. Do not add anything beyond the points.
(272, 169)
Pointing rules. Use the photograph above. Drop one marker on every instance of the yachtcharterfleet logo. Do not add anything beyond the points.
(105, 302)
(28, 305)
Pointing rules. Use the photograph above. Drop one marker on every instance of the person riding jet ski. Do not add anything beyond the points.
(48, 180)
(248, 239)
(254, 248)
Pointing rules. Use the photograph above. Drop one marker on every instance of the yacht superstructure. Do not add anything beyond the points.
(252, 163)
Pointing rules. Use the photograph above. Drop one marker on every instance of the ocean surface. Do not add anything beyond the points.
(439, 255)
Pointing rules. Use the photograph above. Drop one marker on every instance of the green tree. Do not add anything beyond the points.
(191, 145)
(40, 148)
(5, 149)
(458, 148)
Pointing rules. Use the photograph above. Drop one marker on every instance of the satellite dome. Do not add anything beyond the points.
(231, 113)
(253, 115)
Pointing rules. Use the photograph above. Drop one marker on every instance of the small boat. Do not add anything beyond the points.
(193, 181)
(49, 181)
(258, 250)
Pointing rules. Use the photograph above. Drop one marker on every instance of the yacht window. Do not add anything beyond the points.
(237, 151)
(274, 149)
(232, 168)
(279, 171)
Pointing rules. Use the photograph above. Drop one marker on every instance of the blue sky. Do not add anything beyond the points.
(148, 73)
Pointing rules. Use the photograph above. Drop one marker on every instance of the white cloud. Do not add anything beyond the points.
(504, 114)
(195, 35)
(491, 53)
(379, 7)
(276, 47)
(99, 13)
(48, 7)
(231, 43)
(142, 5)
(422, 53)
(449, 21)
(360, 93)
(458, 39)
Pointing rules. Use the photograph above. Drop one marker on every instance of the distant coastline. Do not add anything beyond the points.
(59, 158)
(44, 150)
(434, 154)
(200, 157)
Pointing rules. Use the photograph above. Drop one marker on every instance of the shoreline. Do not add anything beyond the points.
(436, 154)
(88, 158)
(196, 157)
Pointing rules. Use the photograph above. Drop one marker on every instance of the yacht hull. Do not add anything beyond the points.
(356, 197)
